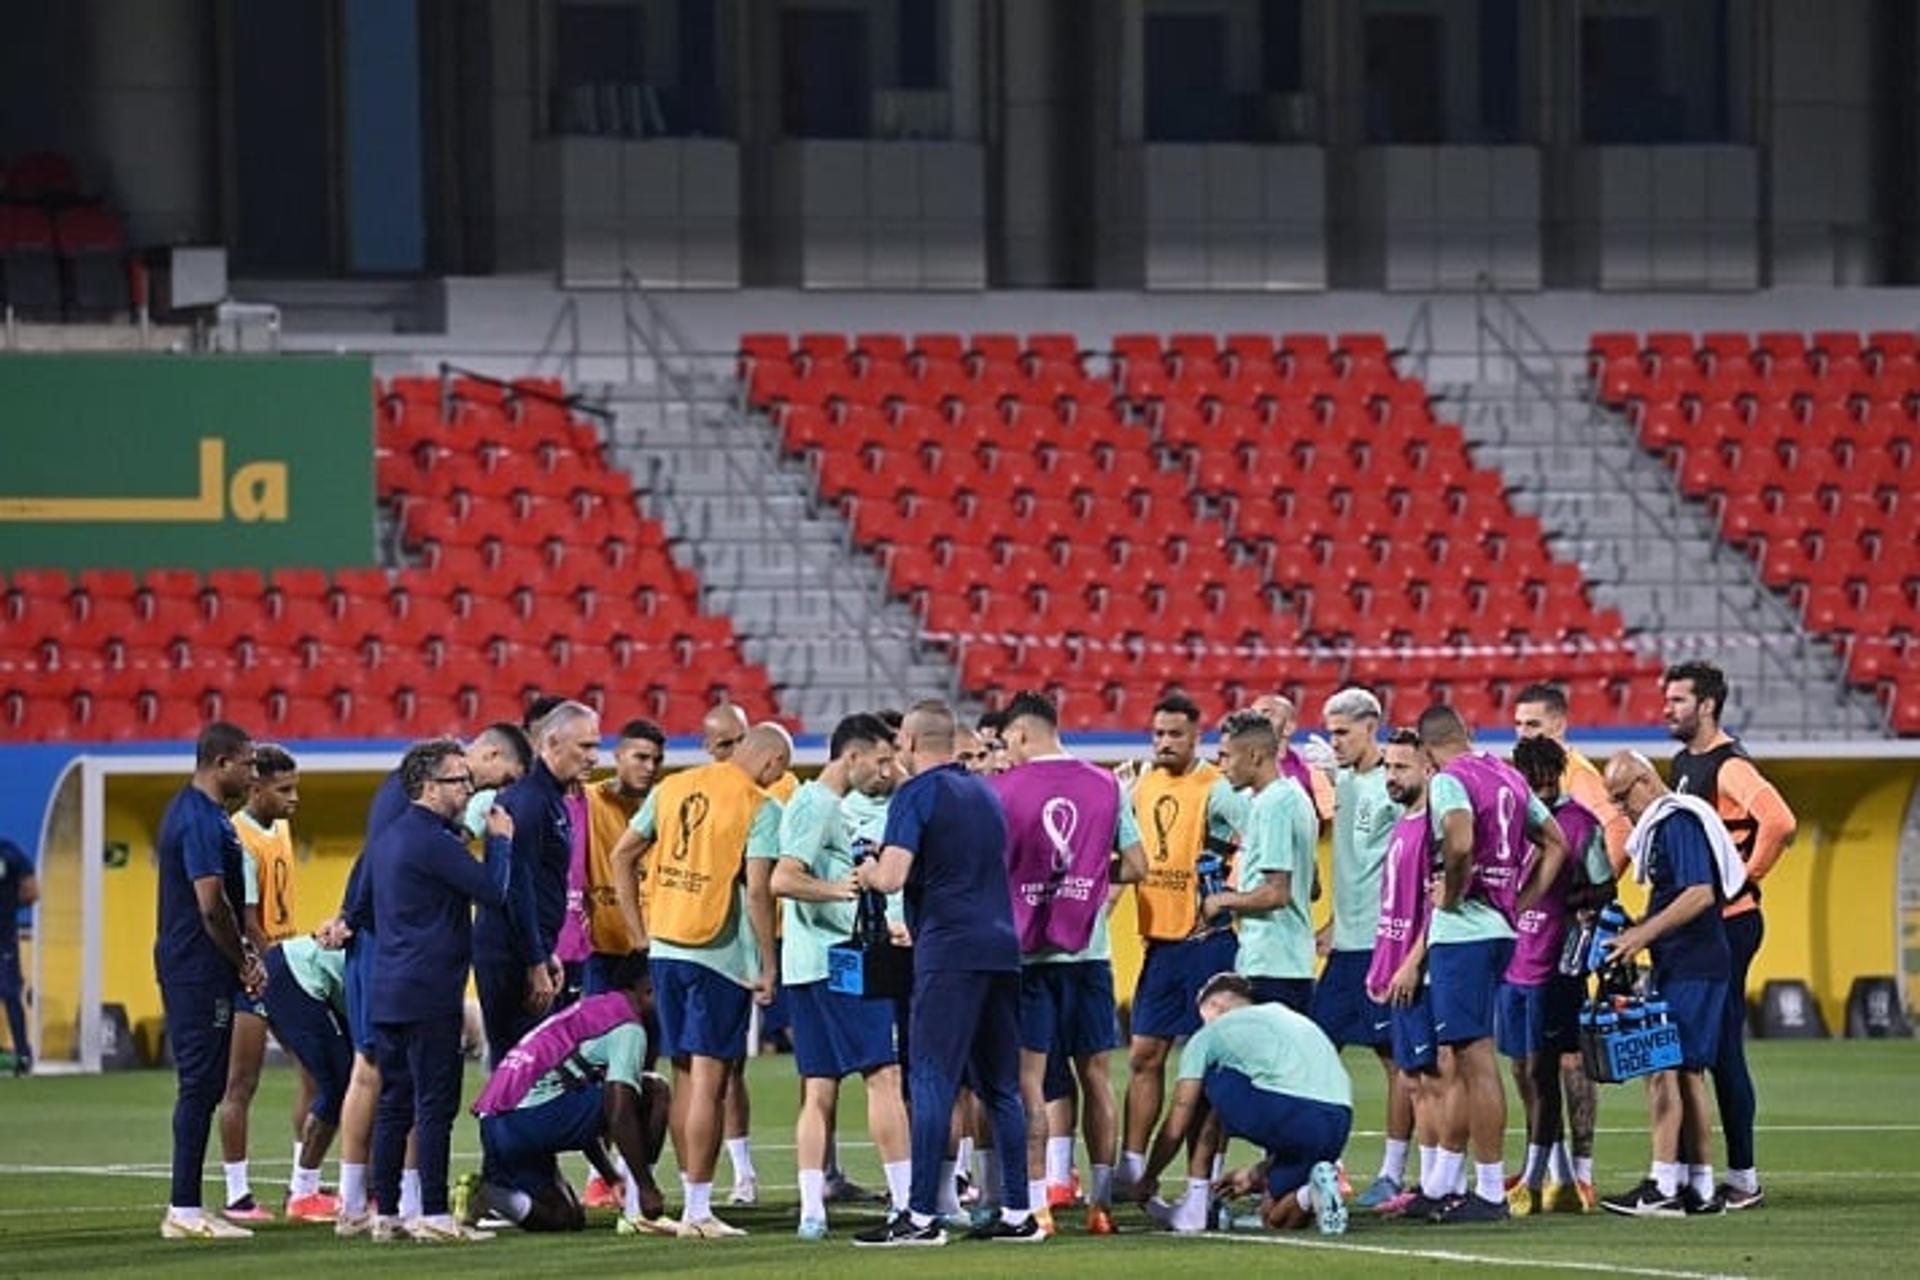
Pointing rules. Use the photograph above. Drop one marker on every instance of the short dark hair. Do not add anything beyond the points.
(422, 761)
(860, 728)
(646, 730)
(513, 739)
(1404, 737)
(1550, 696)
(1178, 704)
(542, 706)
(270, 760)
(892, 717)
(1225, 984)
(1707, 679)
(1253, 726)
(1029, 702)
(1541, 761)
(221, 740)
(993, 722)
(1441, 724)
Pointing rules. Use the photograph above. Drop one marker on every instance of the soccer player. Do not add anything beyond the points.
(1363, 820)
(1187, 811)
(611, 806)
(419, 888)
(1540, 710)
(1712, 766)
(202, 959)
(497, 757)
(272, 798)
(1293, 763)
(1538, 1022)
(1274, 878)
(945, 846)
(1067, 821)
(1274, 1079)
(836, 1035)
(709, 908)
(1396, 972)
(18, 888)
(1484, 817)
(992, 732)
(516, 972)
(574, 1082)
(1691, 869)
(306, 1006)
(971, 750)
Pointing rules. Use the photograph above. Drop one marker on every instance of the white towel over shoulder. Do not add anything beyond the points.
(1733, 872)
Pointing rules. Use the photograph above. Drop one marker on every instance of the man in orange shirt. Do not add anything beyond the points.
(1540, 711)
(1713, 766)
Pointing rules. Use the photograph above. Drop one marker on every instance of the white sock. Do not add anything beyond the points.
(1101, 1192)
(1490, 1181)
(620, 1167)
(1394, 1163)
(1430, 1172)
(1700, 1178)
(514, 1206)
(237, 1188)
(1745, 1181)
(1036, 1194)
(1191, 1213)
(1059, 1161)
(1219, 1167)
(1446, 1173)
(947, 1194)
(992, 1185)
(1460, 1178)
(963, 1157)
(1535, 1171)
(353, 1189)
(900, 1184)
(1583, 1169)
(1304, 1198)
(1014, 1217)
(1666, 1177)
(1559, 1163)
(921, 1220)
(178, 1214)
(1132, 1165)
(304, 1182)
(699, 1202)
(630, 1187)
(813, 1195)
(740, 1152)
(409, 1193)
(298, 1148)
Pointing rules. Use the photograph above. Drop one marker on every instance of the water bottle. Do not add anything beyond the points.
(1574, 951)
(1656, 1013)
(1612, 921)
(1631, 1016)
(1210, 874)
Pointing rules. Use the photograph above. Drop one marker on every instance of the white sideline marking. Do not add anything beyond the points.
(1477, 1259)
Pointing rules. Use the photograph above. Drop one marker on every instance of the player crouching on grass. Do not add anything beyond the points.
(573, 1083)
(1275, 1079)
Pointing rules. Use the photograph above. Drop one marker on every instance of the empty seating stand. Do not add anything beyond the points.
(1806, 447)
(1219, 516)
(527, 568)
(62, 254)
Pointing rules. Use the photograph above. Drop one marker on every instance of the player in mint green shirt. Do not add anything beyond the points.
(1274, 878)
(834, 1034)
(1272, 1077)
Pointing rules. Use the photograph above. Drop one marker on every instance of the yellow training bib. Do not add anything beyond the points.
(701, 819)
(1172, 813)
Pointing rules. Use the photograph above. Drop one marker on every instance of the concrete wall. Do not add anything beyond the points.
(1820, 127)
(1444, 217)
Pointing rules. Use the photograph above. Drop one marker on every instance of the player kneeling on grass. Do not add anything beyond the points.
(573, 1083)
(1273, 1078)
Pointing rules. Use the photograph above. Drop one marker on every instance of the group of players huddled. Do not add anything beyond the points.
(612, 922)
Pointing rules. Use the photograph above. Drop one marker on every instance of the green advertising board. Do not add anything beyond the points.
(140, 462)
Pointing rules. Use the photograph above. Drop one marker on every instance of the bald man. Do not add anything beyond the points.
(1285, 719)
(705, 836)
(1690, 867)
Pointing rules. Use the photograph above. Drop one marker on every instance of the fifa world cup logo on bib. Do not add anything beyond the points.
(1166, 812)
(693, 812)
(1058, 818)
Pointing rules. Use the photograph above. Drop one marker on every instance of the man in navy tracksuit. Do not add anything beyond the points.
(419, 885)
(202, 959)
(513, 963)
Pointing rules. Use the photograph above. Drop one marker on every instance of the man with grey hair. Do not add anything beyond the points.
(1363, 819)
(515, 971)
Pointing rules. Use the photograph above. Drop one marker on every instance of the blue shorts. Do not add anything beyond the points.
(359, 969)
(518, 1147)
(1697, 1007)
(1341, 1005)
(1540, 1017)
(1410, 1029)
(1164, 1000)
(1297, 1133)
(309, 1030)
(252, 1006)
(598, 976)
(702, 1013)
(1295, 993)
(836, 1035)
(1465, 980)
(1068, 1008)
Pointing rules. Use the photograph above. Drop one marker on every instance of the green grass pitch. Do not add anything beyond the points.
(83, 1181)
